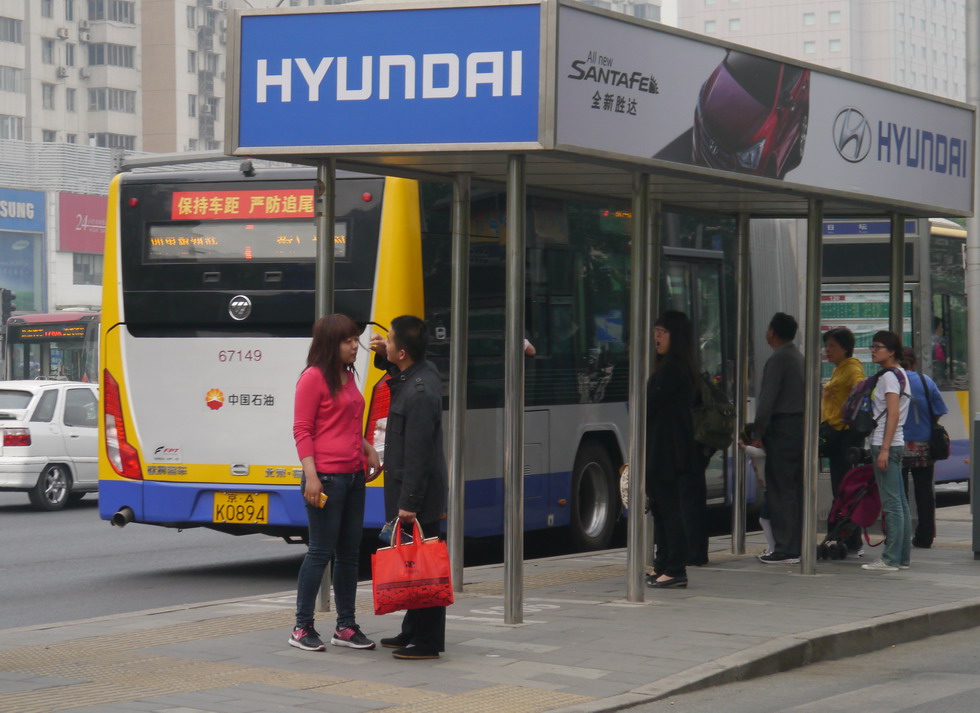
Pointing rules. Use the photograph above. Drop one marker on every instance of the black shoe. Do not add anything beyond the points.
(672, 583)
(397, 642)
(415, 652)
(779, 558)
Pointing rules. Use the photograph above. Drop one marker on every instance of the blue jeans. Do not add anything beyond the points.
(335, 534)
(894, 508)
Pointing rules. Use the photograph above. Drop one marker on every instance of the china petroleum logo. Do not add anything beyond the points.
(214, 399)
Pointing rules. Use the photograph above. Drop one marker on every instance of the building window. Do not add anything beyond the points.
(114, 55)
(87, 268)
(11, 79)
(901, 19)
(914, 79)
(11, 127)
(113, 141)
(901, 48)
(809, 47)
(192, 144)
(47, 50)
(47, 8)
(115, 10)
(922, 52)
(191, 61)
(809, 18)
(48, 136)
(211, 62)
(213, 103)
(47, 96)
(11, 30)
(709, 27)
(107, 99)
(71, 138)
(191, 17)
(734, 24)
(70, 99)
(834, 45)
(901, 76)
(709, 2)
(69, 9)
(69, 55)
(833, 17)
(192, 105)
(213, 145)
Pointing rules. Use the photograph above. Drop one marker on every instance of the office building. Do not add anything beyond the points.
(919, 44)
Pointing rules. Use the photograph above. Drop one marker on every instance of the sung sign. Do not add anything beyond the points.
(360, 79)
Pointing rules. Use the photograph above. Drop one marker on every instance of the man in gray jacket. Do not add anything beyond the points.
(779, 424)
(414, 464)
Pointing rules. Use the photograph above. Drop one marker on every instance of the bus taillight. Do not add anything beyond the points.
(122, 456)
(378, 417)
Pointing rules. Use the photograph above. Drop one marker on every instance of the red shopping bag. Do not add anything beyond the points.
(411, 576)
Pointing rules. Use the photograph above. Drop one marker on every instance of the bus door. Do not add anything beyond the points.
(696, 286)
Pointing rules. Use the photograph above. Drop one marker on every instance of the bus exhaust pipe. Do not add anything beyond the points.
(123, 517)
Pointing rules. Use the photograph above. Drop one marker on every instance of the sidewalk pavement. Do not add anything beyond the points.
(582, 646)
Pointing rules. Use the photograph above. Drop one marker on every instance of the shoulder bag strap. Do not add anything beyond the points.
(925, 388)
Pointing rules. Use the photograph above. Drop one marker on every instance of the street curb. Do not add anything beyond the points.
(797, 650)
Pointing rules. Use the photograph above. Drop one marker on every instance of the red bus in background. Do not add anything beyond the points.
(60, 345)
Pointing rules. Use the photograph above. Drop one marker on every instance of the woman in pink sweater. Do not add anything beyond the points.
(327, 423)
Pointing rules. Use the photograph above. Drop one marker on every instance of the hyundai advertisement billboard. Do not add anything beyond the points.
(466, 75)
(639, 92)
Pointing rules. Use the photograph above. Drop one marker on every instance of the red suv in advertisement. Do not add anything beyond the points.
(752, 116)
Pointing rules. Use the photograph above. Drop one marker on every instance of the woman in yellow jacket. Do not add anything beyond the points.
(835, 437)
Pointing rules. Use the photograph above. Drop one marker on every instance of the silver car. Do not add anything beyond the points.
(50, 440)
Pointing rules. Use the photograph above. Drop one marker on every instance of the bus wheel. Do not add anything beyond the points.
(51, 491)
(594, 498)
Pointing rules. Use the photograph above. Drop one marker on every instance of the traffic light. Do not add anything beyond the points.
(8, 306)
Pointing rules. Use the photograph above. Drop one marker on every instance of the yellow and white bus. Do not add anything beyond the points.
(206, 317)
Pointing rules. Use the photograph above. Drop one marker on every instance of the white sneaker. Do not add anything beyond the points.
(904, 566)
(879, 566)
(856, 553)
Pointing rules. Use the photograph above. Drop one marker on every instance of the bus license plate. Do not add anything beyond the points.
(242, 508)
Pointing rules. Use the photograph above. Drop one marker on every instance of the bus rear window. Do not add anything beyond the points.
(234, 241)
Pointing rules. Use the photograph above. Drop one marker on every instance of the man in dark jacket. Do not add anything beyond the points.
(414, 463)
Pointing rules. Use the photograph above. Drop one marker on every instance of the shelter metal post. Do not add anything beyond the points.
(326, 189)
(638, 365)
(326, 202)
(458, 342)
(973, 252)
(896, 289)
(811, 385)
(741, 381)
(514, 394)
(654, 258)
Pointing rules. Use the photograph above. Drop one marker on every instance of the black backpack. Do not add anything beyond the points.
(714, 415)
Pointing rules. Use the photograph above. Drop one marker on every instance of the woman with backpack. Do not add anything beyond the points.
(836, 438)
(927, 407)
(890, 408)
(672, 453)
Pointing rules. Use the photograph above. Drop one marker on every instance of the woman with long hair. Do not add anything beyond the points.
(890, 407)
(672, 453)
(926, 408)
(327, 422)
(837, 439)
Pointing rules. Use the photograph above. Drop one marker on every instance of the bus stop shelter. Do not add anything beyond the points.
(551, 94)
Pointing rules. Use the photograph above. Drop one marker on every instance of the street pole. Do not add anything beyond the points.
(741, 382)
(639, 344)
(811, 385)
(458, 338)
(973, 243)
(896, 286)
(514, 393)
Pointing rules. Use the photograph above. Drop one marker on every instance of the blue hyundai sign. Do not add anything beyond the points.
(423, 76)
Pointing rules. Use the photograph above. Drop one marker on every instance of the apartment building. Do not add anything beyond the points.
(919, 44)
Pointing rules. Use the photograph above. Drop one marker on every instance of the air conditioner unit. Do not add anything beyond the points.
(83, 24)
(84, 36)
(85, 73)
(62, 71)
(62, 33)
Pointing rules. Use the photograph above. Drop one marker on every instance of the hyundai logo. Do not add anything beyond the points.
(240, 307)
(852, 135)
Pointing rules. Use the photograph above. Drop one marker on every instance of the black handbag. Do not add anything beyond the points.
(938, 437)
